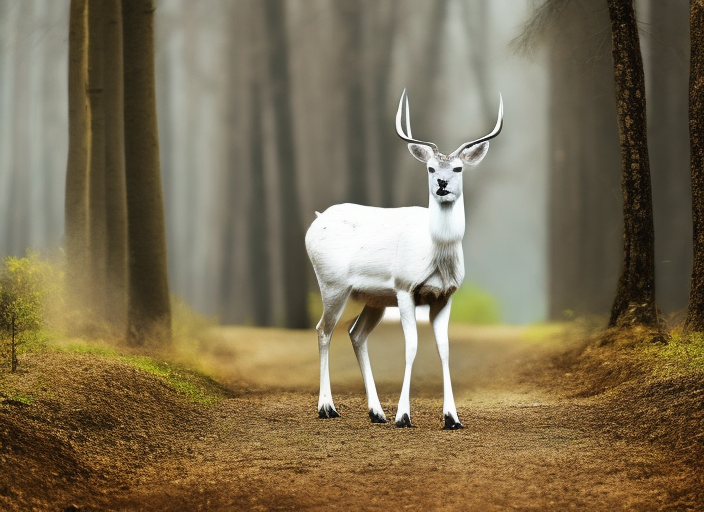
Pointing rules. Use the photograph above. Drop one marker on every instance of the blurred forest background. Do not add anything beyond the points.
(267, 114)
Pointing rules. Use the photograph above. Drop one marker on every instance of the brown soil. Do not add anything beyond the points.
(547, 428)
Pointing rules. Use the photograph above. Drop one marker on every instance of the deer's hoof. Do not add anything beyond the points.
(451, 423)
(404, 422)
(376, 418)
(328, 411)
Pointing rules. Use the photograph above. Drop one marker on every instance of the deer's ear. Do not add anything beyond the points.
(474, 154)
(421, 151)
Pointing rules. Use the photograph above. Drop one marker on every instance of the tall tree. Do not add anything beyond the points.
(259, 261)
(695, 314)
(115, 195)
(349, 26)
(96, 170)
(77, 184)
(295, 262)
(385, 27)
(635, 295)
(149, 310)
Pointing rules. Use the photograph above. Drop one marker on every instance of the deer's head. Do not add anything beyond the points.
(445, 171)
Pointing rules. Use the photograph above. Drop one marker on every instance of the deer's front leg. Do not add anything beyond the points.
(407, 308)
(440, 318)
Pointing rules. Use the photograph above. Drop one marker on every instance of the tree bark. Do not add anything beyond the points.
(695, 313)
(115, 196)
(13, 348)
(149, 311)
(295, 262)
(96, 172)
(76, 199)
(634, 303)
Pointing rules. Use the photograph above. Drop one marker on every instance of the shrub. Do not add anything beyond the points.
(25, 286)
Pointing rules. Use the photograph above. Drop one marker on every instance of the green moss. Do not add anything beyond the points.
(543, 331)
(197, 386)
(681, 355)
(16, 396)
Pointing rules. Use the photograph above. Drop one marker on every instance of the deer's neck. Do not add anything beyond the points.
(446, 222)
(446, 232)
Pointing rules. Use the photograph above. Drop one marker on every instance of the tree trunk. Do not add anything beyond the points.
(76, 201)
(96, 173)
(295, 262)
(635, 296)
(115, 200)
(259, 261)
(13, 348)
(384, 32)
(695, 314)
(149, 310)
(348, 20)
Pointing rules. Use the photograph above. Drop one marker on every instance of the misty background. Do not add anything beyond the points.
(543, 209)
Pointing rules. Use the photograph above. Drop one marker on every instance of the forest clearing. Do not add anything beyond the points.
(552, 423)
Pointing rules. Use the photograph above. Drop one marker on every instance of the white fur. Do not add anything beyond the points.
(386, 257)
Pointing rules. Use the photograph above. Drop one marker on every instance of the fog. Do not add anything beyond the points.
(454, 58)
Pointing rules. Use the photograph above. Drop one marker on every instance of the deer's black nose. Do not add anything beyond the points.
(442, 183)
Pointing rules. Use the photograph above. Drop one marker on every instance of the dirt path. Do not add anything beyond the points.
(106, 436)
(523, 448)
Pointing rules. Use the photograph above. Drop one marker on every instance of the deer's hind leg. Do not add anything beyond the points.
(333, 305)
(359, 334)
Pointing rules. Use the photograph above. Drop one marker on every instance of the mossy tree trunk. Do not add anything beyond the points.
(76, 211)
(695, 313)
(635, 295)
(149, 310)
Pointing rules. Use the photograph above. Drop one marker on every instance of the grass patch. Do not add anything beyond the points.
(16, 397)
(197, 386)
(682, 355)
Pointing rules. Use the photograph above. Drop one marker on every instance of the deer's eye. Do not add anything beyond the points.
(457, 169)
(430, 169)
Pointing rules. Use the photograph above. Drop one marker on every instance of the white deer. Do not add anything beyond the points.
(384, 257)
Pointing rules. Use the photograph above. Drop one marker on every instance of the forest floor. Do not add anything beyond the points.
(552, 422)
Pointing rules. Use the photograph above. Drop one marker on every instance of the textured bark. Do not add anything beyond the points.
(96, 171)
(634, 303)
(115, 199)
(695, 314)
(149, 311)
(295, 262)
(76, 200)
